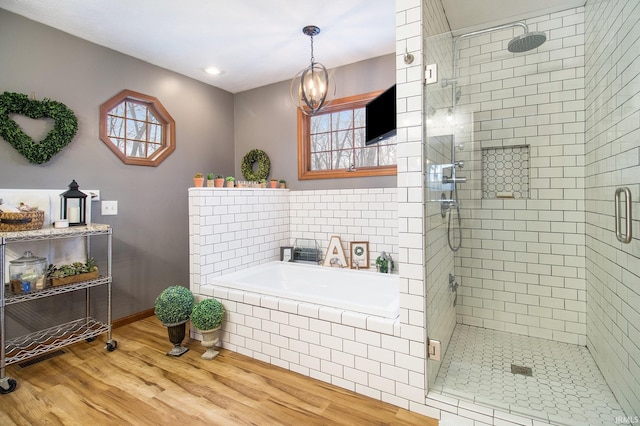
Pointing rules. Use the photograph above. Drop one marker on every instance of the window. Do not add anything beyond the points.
(331, 143)
(137, 128)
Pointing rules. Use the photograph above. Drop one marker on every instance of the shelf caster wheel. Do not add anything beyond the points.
(12, 386)
(111, 345)
(90, 339)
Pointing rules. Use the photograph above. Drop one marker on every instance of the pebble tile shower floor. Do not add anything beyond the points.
(566, 386)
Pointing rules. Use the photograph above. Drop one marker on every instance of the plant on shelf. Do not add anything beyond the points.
(230, 181)
(173, 307)
(273, 183)
(262, 183)
(198, 180)
(283, 184)
(207, 316)
(210, 178)
(219, 181)
(72, 273)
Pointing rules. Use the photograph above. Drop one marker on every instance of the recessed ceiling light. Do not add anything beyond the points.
(212, 71)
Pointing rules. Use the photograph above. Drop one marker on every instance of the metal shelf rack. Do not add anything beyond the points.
(42, 341)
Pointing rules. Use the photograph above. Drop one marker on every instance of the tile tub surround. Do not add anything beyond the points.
(359, 352)
(374, 356)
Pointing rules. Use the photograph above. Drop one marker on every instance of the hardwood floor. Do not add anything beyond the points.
(138, 384)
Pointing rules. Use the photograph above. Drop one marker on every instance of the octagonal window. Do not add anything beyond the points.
(137, 128)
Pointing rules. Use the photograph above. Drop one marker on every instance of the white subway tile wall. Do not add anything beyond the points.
(613, 160)
(522, 265)
(352, 214)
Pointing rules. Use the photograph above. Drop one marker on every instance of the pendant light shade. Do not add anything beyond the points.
(311, 86)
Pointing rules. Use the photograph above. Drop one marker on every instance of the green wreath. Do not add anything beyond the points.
(64, 128)
(264, 165)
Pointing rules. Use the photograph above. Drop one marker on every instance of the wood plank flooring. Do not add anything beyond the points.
(138, 384)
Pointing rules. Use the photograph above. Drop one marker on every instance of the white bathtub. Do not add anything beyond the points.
(361, 291)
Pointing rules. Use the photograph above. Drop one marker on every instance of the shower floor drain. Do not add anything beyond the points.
(518, 369)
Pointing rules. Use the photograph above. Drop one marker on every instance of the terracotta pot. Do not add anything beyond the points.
(273, 184)
(219, 183)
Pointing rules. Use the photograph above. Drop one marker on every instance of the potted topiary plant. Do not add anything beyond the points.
(230, 181)
(219, 181)
(198, 180)
(210, 178)
(173, 307)
(207, 316)
(283, 184)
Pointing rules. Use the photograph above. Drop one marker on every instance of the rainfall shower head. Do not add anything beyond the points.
(527, 41)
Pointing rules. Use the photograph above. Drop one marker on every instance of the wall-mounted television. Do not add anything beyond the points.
(380, 117)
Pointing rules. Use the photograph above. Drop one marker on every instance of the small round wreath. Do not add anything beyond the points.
(359, 251)
(264, 165)
(64, 128)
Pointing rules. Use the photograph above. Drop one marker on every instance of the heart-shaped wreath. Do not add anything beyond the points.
(64, 128)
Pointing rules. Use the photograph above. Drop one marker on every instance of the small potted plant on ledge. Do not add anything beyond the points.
(219, 181)
(230, 181)
(210, 178)
(198, 180)
(207, 316)
(283, 184)
(273, 183)
(262, 183)
(173, 307)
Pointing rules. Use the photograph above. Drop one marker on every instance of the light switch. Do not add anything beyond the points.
(109, 208)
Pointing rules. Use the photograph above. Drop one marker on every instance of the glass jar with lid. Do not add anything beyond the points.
(27, 273)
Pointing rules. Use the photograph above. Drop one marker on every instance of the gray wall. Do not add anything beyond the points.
(151, 230)
(215, 129)
(266, 119)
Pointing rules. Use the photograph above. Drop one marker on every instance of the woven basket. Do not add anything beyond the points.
(21, 221)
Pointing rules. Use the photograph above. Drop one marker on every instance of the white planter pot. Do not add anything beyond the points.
(210, 341)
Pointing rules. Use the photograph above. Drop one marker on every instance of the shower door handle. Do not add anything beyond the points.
(626, 237)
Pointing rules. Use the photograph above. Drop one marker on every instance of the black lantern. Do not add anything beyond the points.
(73, 205)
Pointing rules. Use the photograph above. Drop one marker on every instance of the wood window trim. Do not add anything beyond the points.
(168, 127)
(304, 144)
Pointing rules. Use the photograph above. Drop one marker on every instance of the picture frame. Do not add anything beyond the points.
(286, 254)
(359, 254)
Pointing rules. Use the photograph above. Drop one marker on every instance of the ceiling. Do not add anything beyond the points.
(253, 42)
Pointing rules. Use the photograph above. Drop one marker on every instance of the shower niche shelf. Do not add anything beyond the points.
(505, 172)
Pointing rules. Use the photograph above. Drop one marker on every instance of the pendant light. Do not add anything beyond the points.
(310, 87)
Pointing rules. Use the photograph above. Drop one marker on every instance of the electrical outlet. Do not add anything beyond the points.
(109, 208)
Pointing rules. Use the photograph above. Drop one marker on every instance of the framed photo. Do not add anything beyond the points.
(359, 254)
(286, 254)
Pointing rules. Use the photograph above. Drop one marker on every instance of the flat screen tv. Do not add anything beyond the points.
(380, 117)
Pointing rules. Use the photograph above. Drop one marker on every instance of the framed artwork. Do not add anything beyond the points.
(286, 254)
(359, 254)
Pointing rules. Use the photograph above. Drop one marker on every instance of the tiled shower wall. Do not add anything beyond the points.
(612, 160)
(522, 264)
